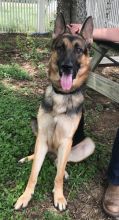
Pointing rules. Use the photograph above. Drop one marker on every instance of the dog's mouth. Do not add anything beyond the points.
(66, 81)
(66, 76)
(68, 72)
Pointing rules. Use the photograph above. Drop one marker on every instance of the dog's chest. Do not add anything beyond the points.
(56, 104)
(57, 115)
(61, 104)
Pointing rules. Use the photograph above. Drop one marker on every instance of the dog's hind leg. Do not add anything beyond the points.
(82, 150)
(41, 149)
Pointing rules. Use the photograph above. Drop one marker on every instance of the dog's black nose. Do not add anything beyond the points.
(67, 66)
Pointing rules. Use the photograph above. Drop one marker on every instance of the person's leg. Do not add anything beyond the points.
(111, 198)
(113, 170)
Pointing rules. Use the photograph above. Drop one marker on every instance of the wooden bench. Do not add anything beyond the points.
(97, 82)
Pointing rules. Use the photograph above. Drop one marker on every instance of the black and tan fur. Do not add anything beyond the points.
(61, 110)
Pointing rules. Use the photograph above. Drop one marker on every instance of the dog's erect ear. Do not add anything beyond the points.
(87, 31)
(60, 26)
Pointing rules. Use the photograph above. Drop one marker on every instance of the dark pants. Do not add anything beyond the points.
(113, 170)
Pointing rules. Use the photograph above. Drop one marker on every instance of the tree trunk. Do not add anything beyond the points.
(74, 11)
(78, 12)
(64, 6)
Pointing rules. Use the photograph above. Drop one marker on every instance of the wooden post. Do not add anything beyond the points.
(41, 16)
(97, 57)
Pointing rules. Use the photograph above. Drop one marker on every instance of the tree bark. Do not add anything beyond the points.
(64, 6)
(78, 12)
(74, 11)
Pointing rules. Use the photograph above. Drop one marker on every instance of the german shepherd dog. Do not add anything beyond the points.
(61, 110)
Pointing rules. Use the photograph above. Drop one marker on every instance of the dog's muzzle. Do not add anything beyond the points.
(66, 76)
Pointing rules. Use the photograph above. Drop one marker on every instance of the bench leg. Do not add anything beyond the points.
(98, 56)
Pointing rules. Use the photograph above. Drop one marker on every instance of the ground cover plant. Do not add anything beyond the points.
(23, 79)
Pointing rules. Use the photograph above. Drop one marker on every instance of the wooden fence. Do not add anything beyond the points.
(27, 15)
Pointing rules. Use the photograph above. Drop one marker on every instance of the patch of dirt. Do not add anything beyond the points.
(88, 203)
(37, 86)
(108, 119)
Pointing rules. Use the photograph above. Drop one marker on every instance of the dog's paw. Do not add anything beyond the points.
(22, 201)
(60, 203)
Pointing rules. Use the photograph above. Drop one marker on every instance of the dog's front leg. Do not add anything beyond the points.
(41, 149)
(63, 154)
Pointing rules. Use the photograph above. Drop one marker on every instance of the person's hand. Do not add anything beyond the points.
(74, 28)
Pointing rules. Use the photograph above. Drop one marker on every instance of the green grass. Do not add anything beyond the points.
(13, 71)
(18, 17)
(33, 49)
(48, 215)
(16, 141)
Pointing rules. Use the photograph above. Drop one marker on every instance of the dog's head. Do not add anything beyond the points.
(69, 63)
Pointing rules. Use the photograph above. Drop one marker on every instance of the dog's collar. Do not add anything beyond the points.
(68, 93)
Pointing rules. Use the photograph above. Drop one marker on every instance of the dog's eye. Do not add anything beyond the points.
(78, 49)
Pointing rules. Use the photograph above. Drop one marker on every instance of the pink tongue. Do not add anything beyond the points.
(66, 81)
